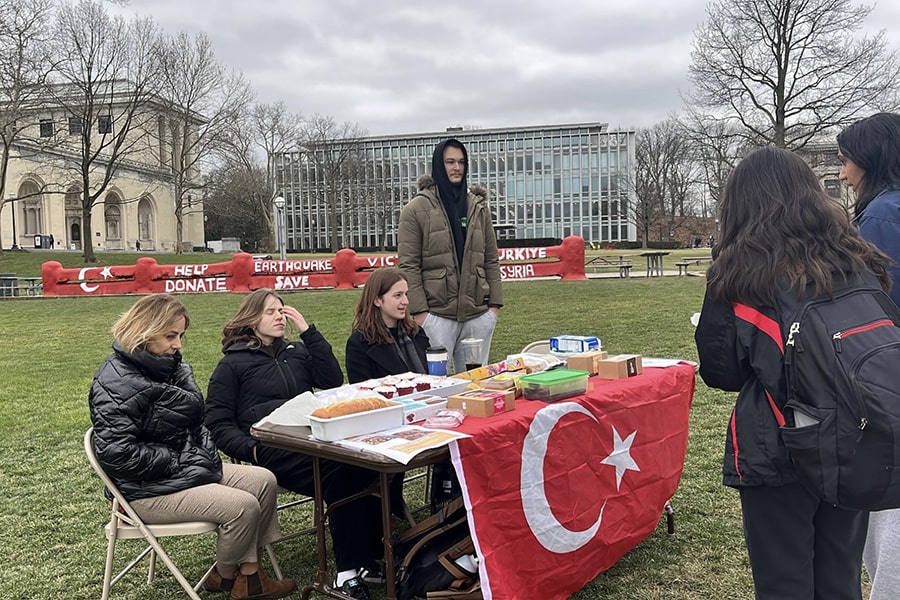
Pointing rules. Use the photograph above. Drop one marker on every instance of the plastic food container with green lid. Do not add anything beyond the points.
(554, 385)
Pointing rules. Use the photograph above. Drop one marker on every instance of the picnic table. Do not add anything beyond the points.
(687, 261)
(600, 262)
(654, 262)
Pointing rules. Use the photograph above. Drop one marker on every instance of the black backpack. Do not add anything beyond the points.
(428, 556)
(842, 363)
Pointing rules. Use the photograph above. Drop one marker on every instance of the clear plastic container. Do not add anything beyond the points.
(554, 385)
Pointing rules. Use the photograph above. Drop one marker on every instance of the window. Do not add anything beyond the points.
(46, 127)
(75, 126)
(113, 216)
(104, 124)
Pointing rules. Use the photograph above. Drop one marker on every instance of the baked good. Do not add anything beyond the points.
(349, 407)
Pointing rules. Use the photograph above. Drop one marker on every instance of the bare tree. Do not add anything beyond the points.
(200, 100)
(253, 140)
(276, 130)
(25, 63)
(232, 203)
(334, 152)
(665, 176)
(108, 72)
(788, 70)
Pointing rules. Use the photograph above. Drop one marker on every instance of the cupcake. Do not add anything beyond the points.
(421, 384)
(405, 388)
(387, 391)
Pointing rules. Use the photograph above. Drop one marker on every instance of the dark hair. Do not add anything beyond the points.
(242, 326)
(368, 319)
(779, 228)
(873, 144)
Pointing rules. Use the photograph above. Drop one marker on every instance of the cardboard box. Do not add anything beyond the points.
(483, 403)
(574, 343)
(620, 366)
(586, 361)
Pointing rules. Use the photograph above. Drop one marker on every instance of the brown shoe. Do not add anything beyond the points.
(259, 586)
(216, 583)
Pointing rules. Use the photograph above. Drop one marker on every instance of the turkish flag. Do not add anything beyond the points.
(558, 492)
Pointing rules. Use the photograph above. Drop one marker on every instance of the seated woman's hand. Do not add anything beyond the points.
(294, 315)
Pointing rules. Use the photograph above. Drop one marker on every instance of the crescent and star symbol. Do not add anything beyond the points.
(551, 534)
(106, 273)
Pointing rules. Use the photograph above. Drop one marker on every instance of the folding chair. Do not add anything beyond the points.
(125, 524)
(538, 347)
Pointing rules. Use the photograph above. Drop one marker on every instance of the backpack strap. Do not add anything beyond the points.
(448, 557)
(432, 522)
(404, 565)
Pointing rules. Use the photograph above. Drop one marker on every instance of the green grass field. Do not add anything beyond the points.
(52, 509)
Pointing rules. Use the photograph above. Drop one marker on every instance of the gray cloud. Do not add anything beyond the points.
(402, 67)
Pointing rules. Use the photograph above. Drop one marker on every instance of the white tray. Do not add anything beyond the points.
(370, 421)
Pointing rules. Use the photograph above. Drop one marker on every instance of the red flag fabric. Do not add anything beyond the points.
(558, 492)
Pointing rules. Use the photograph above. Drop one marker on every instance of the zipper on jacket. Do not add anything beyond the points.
(837, 337)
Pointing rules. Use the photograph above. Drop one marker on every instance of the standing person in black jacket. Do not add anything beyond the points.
(260, 371)
(783, 242)
(385, 339)
(147, 414)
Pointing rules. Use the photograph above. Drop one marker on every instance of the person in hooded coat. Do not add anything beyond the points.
(448, 251)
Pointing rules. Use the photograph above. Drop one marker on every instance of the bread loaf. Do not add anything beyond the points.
(349, 407)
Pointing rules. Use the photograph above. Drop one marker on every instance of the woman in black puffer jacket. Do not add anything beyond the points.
(260, 371)
(147, 413)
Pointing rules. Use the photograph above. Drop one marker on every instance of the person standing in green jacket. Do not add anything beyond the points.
(448, 251)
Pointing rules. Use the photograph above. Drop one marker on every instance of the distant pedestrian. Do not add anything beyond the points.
(137, 245)
(51, 241)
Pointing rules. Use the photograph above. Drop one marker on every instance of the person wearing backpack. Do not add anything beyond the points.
(783, 241)
(869, 152)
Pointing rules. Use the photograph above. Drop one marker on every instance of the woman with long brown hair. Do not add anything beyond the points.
(385, 339)
(261, 370)
(783, 242)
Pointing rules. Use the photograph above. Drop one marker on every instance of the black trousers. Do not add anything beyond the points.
(800, 547)
(355, 527)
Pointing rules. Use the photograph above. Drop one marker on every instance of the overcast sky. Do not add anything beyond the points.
(410, 66)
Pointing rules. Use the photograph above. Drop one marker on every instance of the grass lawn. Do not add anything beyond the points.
(52, 508)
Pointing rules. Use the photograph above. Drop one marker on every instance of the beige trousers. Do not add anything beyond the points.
(244, 505)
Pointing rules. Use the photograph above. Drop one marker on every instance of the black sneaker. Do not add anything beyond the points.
(355, 588)
(373, 573)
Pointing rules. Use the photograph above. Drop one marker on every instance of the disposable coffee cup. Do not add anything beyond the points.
(471, 352)
(437, 360)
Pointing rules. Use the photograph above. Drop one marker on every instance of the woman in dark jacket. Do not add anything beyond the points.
(149, 437)
(869, 151)
(783, 242)
(385, 339)
(260, 371)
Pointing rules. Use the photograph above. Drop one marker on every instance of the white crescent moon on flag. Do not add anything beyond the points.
(551, 534)
(84, 284)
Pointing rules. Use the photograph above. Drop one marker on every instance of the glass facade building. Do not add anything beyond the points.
(543, 182)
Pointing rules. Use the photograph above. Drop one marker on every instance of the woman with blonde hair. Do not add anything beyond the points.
(147, 414)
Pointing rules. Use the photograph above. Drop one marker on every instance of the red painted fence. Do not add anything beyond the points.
(343, 271)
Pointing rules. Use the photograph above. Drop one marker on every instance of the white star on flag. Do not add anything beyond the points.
(106, 272)
(620, 457)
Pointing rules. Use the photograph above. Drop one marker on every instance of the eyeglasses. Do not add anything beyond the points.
(452, 162)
